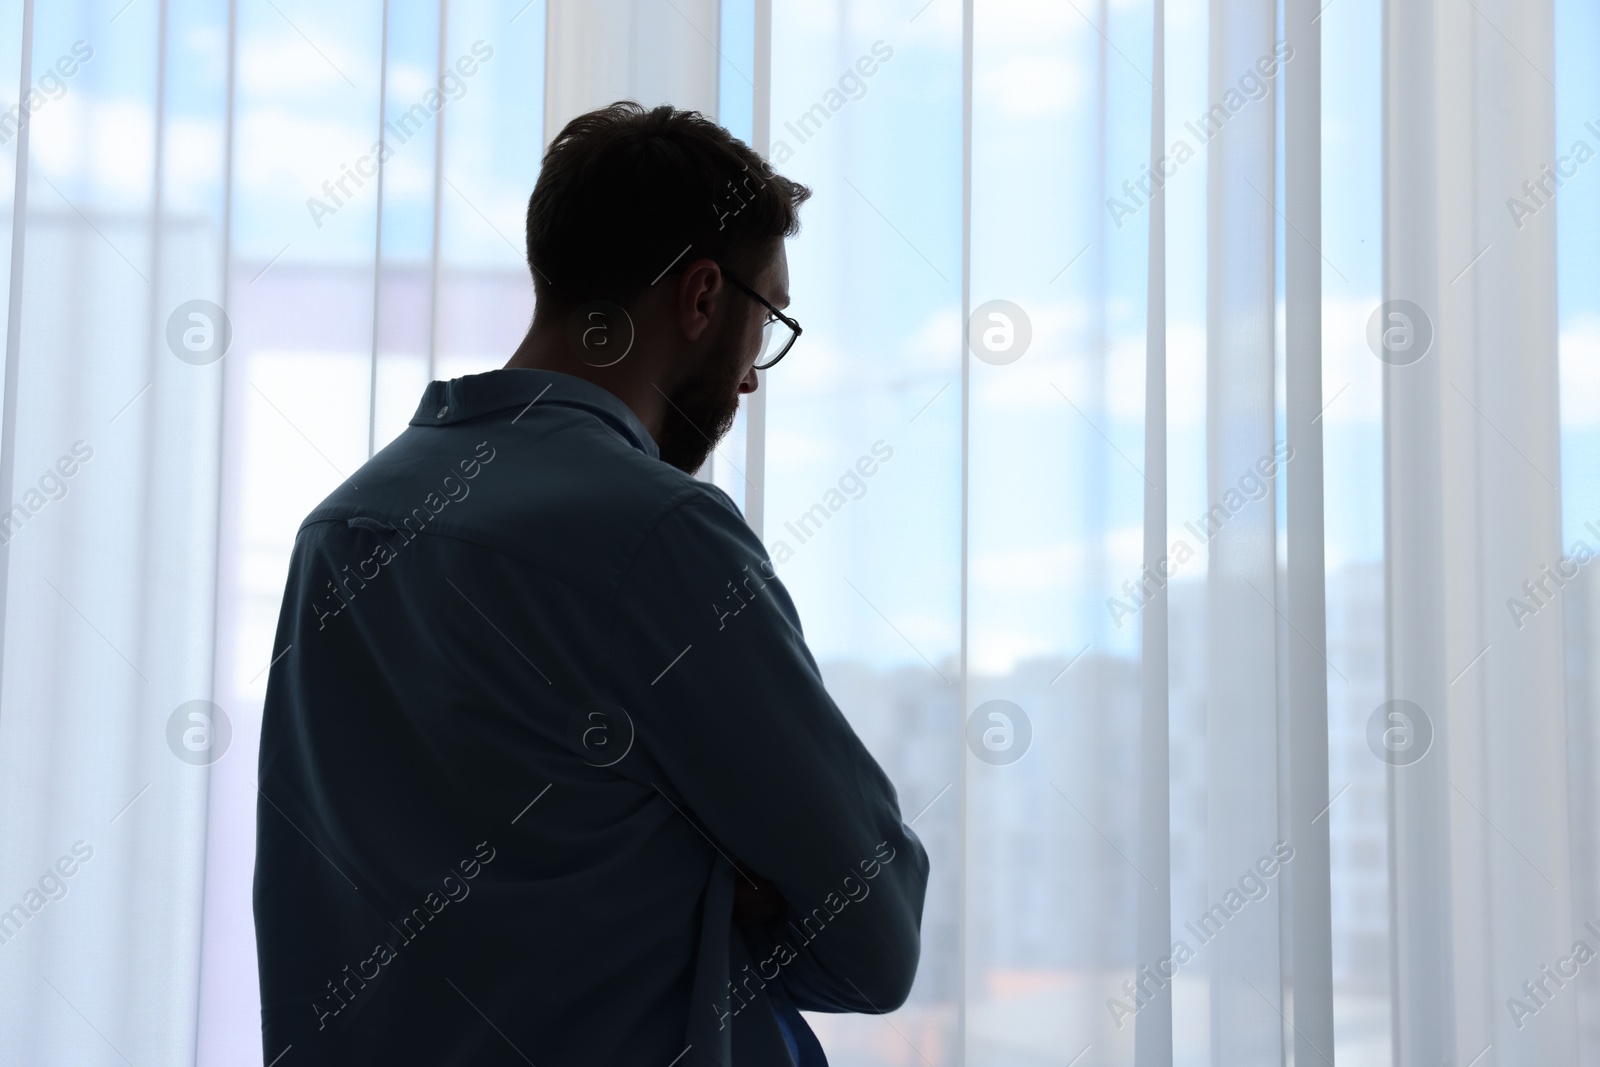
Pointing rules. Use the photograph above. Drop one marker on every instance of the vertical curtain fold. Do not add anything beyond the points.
(1419, 804)
(1480, 854)
(1153, 938)
(377, 241)
(964, 795)
(755, 404)
(1310, 941)
(19, 243)
(605, 50)
(1242, 640)
(225, 980)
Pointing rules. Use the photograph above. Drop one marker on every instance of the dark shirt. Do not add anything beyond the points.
(538, 693)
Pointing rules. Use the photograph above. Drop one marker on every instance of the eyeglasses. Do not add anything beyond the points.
(778, 333)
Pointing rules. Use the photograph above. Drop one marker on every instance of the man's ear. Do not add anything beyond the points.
(700, 287)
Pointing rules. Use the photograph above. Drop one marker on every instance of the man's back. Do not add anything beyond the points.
(514, 746)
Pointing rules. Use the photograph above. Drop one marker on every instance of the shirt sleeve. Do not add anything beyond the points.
(726, 697)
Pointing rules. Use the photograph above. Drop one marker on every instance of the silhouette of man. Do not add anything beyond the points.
(548, 774)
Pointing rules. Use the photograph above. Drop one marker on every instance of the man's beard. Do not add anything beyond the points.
(700, 412)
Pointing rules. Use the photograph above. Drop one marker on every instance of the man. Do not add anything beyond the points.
(548, 774)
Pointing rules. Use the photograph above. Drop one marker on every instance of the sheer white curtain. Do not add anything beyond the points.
(1204, 555)
(179, 157)
(1482, 848)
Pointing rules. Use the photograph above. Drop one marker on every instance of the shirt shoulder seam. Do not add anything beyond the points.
(687, 495)
(691, 495)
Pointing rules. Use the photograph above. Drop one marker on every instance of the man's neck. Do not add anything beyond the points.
(547, 348)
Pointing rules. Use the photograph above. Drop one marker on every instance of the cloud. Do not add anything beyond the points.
(1032, 86)
(1580, 373)
(1348, 364)
(283, 153)
(287, 68)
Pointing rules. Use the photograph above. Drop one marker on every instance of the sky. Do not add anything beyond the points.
(1055, 441)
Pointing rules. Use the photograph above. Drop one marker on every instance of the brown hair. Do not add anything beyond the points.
(625, 193)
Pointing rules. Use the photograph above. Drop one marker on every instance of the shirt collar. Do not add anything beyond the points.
(519, 388)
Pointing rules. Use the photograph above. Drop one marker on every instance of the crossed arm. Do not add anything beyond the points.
(745, 731)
